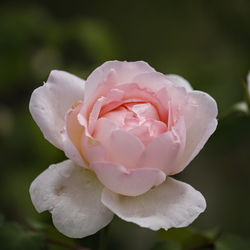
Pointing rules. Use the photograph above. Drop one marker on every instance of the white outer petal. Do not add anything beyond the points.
(50, 102)
(73, 196)
(179, 81)
(172, 204)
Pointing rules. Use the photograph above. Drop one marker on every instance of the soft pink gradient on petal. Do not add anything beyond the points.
(73, 127)
(140, 119)
(93, 150)
(143, 110)
(125, 148)
(95, 113)
(133, 91)
(143, 133)
(165, 150)
(173, 99)
(179, 81)
(122, 72)
(200, 118)
(72, 136)
(117, 116)
(127, 182)
(104, 86)
(115, 99)
(104, 128)
(71, 151)
(153, 81)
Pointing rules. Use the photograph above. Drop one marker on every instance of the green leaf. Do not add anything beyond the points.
(15, 237)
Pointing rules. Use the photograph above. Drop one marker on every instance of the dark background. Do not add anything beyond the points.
(207, 42)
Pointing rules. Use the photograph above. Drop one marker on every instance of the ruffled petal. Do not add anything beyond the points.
(165, 150)
(172, 204)
(153, 81)
(73, 196)
(104, 128)
(127, 182)
(50, 102)
(200, 119)
(71, 136)
(119, 72)
(179, 81)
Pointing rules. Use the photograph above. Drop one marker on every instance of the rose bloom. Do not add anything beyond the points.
(125, 130)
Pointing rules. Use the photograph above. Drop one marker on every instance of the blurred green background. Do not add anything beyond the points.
(207, 42)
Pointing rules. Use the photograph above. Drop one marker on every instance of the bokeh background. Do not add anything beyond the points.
(207, 42)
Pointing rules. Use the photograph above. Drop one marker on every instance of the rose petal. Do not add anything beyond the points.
(50, 102)
(104, 105)
(143, 133)
(179, 81)
(133, 91)
(200, 118)
(128, 182)
(172, 204)
(165, 150)
(104, 128)
(71, 136)
(153, 81)
(123, 72)
(125, 148)
(71, 151)
(95, 113)
(73, 197)
(93, 150)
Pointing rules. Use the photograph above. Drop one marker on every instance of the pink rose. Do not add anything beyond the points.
(125, 130)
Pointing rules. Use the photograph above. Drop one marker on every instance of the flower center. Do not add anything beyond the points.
(138, 118)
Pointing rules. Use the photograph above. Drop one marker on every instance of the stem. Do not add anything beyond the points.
(66, 244)
(104, 238)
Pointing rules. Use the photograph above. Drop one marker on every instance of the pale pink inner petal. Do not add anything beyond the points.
(130, 108)
(153, 81)
(138, 112)
(125, 148)
(73, 128)
(140, 119)
(117, 116)
(164, 150)
(114, 73)
(103, 129)
(95, 113)
(127, 182)
(92, 149)
(133, 91)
